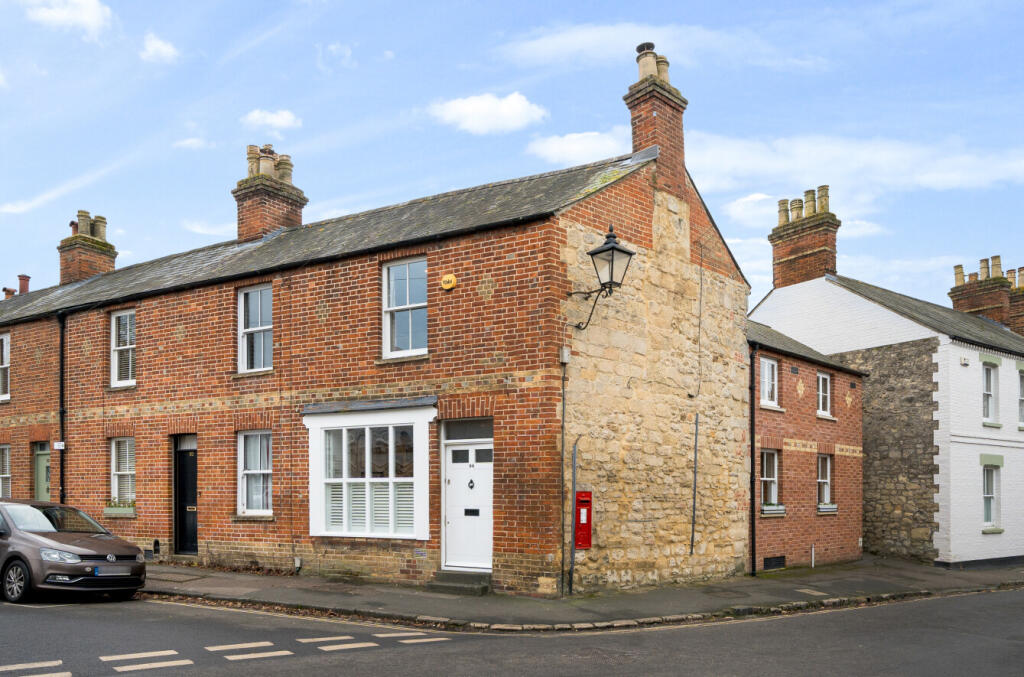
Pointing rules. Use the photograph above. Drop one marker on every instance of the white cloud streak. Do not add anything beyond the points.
(60, 190)
(488, 114)
(193, 143)
(204, 228)
(581, 147)
(91, 17)
(156, 50)
(271, 121)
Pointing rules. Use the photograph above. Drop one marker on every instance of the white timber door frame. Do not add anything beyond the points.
(467, 510)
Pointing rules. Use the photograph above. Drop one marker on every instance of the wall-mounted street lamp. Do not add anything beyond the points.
(611, 260)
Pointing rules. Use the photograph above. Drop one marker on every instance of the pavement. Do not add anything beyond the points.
(867, 581)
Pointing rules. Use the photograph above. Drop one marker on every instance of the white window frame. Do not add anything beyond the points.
(5, 367)
(5, 471)
(990, 495)
(825, 483)
(989, 392)
(318, 425)
(771, 482)
(1020, 398)
(387, 310)
(824, 394)
(770, 378)
(241, 506)
(115, 473)
(116, 349)
(243, 332)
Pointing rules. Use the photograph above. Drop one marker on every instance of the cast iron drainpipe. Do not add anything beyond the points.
(753, 465)
(61, 409)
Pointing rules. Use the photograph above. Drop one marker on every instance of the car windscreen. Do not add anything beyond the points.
(27, 518)
(73, 520)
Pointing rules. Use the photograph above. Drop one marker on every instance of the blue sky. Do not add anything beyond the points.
(141, 111)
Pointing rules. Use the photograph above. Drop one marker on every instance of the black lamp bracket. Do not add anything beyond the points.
(597, 294)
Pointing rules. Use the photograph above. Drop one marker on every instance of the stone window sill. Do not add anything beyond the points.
(399, 360)
(772, 407)
(5, 400)
(991, 424)
(119, 513)
(253, 518)
(773, 511)
(827, 417)
(827, 509)
(991, 530)
(1020, 427)
(251, 374)
(117, 389)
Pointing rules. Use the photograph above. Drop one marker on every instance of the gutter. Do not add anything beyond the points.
(753, 463)
(979, 344)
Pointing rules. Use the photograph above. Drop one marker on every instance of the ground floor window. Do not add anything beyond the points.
(369, 473)
(990, 495)
(769, 477)
(255, 473)
(5, 471)
(122, 469)
(824, 479)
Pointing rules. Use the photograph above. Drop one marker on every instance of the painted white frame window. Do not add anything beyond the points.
(824, 394)
(769, 381)
(824, 479)
(769, 477)
(1020, 398)
(990, 495)
(369, 473)
(5, 471)
(405, 308)
(255, 473)
(5, 366)
(122, 469)
(989, 390)
(122, 348)
(256, 328)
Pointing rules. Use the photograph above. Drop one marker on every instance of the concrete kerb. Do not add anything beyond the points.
(460, 625)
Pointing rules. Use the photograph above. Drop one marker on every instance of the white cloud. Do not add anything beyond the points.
(193, 143)
(3, 80)
(388, 55)
(272, 122)
(753, 211)
(88, 178)
(204, 228)
(582, 147)
(92, 17)
(335, 54)
(156, 50)
(487, 114)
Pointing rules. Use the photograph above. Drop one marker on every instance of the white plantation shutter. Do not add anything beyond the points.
(123, 481)
(357, 507)
(334, 499)
(404, 508)
(5, 472)
(381, 507)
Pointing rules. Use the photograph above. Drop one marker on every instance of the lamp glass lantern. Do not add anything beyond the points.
(611, 260)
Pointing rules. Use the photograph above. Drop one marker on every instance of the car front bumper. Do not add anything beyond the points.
(88, 576)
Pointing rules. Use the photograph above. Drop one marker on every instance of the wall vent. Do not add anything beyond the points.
(775, 562)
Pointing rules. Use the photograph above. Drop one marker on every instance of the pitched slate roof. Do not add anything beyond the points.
(438, 216)
(765, 336)
(973, 329)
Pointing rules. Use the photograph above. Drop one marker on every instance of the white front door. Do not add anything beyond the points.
(468, 501)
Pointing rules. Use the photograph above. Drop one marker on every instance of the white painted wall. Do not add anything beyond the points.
(832, 319)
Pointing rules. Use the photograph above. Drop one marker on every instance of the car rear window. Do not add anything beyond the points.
(27, 518)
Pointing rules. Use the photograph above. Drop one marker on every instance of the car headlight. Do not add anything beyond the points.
(50, 555)
(140, 557)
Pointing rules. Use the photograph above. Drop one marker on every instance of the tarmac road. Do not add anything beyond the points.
(978, 634)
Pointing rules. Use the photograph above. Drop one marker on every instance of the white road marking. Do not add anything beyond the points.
(340, 647)
(51, 674)
(424, 640)
(265, 654)
(151, 666)
(399, 634)
(336, 638)
(228, 647)
(808, 591)
(145, 654)
(30, 666)
(34, 606)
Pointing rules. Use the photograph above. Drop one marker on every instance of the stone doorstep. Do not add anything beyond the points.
(728, 613)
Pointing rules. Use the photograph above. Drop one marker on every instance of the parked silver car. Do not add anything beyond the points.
(49, 546)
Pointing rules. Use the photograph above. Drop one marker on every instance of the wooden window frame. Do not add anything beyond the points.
(115, 349)
(387, 310)
(5, 471)
(989, 392)
(824, 392)
(243, 473)
(990, 495)
(5, 367)
(115, 473)
(774, 364)
(243, 332)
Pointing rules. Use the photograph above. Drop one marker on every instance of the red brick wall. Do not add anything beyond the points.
(81, 260)
(1015, 320)
(800, 435)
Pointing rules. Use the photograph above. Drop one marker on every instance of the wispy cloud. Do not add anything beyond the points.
(88, 178)
(91, 17)
(581, 147)
(334, 55)
(251, 42)
(194, 143)
(156, 50)
(271, 122)
(488, 114)
(204, 228)
(3, 80)
(753, 211)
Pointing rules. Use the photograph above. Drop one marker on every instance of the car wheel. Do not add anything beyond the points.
(17, 582)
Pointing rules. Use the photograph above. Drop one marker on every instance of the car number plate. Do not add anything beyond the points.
(113, 571)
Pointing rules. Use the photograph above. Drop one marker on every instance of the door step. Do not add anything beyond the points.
(460, 583)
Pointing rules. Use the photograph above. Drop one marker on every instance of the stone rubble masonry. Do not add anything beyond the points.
(899, 447)
(800, 435)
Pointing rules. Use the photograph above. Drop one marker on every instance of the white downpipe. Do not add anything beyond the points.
(812, 555)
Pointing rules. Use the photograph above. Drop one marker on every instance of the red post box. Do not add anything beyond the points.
(584, 519)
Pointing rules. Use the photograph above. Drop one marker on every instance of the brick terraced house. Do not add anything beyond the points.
(384, 395)
(806, 414)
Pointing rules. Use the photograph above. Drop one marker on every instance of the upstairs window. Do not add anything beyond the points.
(122, 469)
(405, 308)
(989, 387)
(1020, 398)
(5, 471)
(824, 394)
(769, 382)
(122, 348)
(5, 366)
(255, 329)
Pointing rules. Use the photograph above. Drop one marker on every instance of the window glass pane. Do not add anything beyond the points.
(268, 350)
(380, 505)
(251, 457)
(266, 307)
(357, 507)
(356, 452)
(460, 455)
(257, 492)
(334, 496)
(484, 455)
(404, 510)
(124, 364)
(400, 330)
(418, 329)
(253, 350)
(334, 443)
(397, 286)
(4, 381)
(125, 487)
(988, 510)
(418, 282)
(472, 429)
(264, 451)
(379, 452)
(251, 309)
(121, 322)
(131, 328)
(403, 451)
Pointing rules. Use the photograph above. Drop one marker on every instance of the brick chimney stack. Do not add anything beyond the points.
(988, 293)
(656, 117)
(267, 200)
(23, 284)
(804, 241)
(8, 292)
(86, 252)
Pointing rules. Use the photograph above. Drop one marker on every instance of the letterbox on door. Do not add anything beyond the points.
(584, 519)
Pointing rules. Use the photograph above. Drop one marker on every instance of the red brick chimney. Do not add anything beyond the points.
(1016, 319)
(987, 294)
(267, 200)
(804, 242)
(8, 292)
(23, 284)
(86, 252)
(656, 117)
